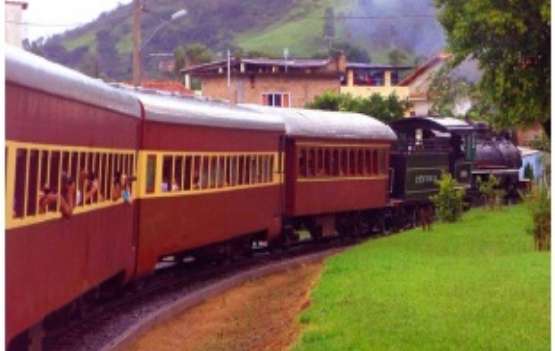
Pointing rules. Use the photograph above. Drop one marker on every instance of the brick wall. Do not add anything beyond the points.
(249, 90)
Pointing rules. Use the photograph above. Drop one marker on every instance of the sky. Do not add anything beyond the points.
(48, 17)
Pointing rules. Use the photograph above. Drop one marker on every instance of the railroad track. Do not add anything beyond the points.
(108, 324)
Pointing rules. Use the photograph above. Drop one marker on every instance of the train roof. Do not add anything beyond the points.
(195, 111)
(328, 124)
(35, 72)
(442, 124)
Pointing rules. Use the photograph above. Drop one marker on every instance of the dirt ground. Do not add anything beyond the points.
(259, 315)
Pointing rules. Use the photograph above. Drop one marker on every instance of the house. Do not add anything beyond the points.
(364, 80)
(14, 21)
(418, 84)
(273, 82)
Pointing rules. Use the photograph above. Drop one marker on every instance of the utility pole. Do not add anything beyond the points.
(137, 9)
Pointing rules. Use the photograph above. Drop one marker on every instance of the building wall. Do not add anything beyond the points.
(364, 91)
(246, 90)
(13, 16)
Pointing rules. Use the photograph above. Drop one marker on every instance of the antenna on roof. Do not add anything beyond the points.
(285, 56)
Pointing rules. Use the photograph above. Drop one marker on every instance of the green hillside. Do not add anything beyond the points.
(103, 46)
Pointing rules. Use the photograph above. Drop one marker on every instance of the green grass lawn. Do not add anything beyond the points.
(474, 285)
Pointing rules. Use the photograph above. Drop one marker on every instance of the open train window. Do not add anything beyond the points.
(253, 170)
(233, 170)
(196, 172)
(261, 169)
(320, 162)
(55, 168)
(383, 161)
(186, 184)
(271, 169)
(221, 171)
(360, 163)
(177, 181)
(205, 172)
(150, 172)
(352, 162)
(32, 187)
(241, 172)
(167, 164)
(343, 170)
(311, 169)
(334, 162)
(327, 159)
(375, 162)
(368, 161)
(19, 190)
(302, 162)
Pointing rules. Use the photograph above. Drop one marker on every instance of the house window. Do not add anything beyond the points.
(276, 99)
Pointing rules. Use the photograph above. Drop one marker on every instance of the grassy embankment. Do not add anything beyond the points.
(474, 285)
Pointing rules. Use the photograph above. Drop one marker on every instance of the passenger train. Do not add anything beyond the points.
(103, 183)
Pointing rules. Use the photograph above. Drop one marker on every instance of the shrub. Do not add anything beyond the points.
(449, 199)
(489, 192)
(539, 203)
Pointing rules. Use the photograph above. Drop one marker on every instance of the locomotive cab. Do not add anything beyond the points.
(426, 148)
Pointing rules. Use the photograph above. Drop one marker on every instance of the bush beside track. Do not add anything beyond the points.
(474, 285)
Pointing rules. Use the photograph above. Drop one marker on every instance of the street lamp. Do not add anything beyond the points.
(137, 46)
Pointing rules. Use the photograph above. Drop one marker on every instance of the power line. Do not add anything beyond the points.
(33, 24)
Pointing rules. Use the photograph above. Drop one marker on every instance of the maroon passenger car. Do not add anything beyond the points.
(57, 133)
(335, 162)
(209, 175)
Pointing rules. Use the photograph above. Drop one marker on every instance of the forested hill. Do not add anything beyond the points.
(305, 27)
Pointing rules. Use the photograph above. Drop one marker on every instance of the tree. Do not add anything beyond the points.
(397, 57)
(385, 109)
(511, 41)
(447, 91)
(352, 52)
(190, 55)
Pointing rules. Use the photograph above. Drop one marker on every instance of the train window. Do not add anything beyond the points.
(260, 166)
(311, 163)
(360, 168)
(54, 177)
(344, 162)
(352, 162)
(103, 175)
(247, 170)
(177, 182)
(31, 181)
(205, 172)
(19, 190)
(271, 169)
(241, 171)
(368, 161)
(212, 172)
(167, 165)
(334, 162)
(320, 162)
(186, 180)
(227, 173)
(233, 171)
(221, 171)
(150, 172)
(327, 162)
(302, 162)
(196, 172)
(375, 162)
(252, 176)
(110, 175)
(383, 162)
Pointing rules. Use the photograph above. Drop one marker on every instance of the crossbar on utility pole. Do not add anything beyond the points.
(137, 9)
